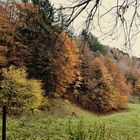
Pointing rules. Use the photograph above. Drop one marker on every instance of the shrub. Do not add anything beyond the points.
(19, 93)
(97, 131)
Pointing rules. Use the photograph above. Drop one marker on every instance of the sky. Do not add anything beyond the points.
(111, 40)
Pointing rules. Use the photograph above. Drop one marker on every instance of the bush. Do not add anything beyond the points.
(19, 93)
(97, 131)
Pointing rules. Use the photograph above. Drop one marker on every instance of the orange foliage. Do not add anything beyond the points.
(3, 57)
(66, 64)
(119, 80)
(29, 45)
(103, 96)
(6, 26)
(103, 84)
(137, 87)
(104, 87)
(33, 15)
(27, 6)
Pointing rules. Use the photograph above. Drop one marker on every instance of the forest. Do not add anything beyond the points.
(60, 86)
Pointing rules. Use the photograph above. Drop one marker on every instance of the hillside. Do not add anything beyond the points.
(40, 61)
(66, 126)
(57, 85)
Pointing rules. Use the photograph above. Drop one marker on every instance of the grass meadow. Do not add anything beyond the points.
(43, 126)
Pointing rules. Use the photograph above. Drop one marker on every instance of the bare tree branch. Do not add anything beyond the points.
(125, 17)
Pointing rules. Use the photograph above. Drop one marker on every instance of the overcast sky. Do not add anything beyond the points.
(110, 40)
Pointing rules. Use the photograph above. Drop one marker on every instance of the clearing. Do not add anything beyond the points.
(69, 122)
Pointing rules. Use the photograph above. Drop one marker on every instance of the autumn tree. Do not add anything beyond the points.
(34, 41)
(119, 80)
(3, 56)
(103, 96)
(66, 61)
(103, 85)
(48, 55)
(19, 93)
(137, 87)
(7, 29)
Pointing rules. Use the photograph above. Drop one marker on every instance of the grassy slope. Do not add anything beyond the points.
(43, 126)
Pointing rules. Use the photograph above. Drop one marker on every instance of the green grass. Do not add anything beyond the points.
(44, 126)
